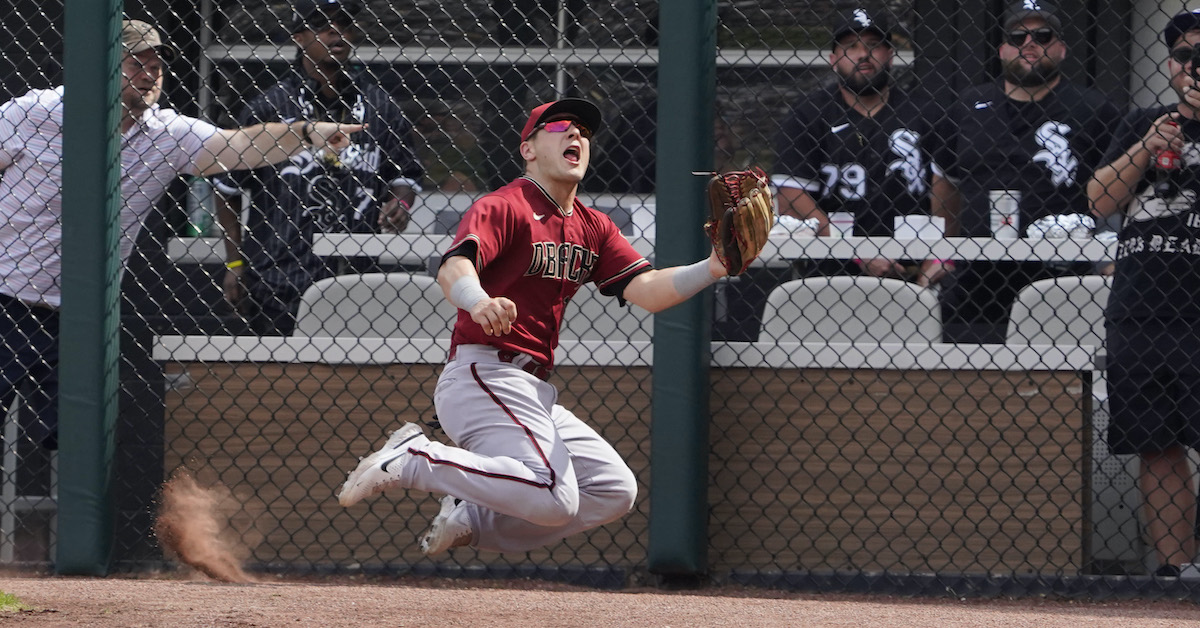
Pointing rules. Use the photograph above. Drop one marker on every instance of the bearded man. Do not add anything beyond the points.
(861, 147)
(1018, 149)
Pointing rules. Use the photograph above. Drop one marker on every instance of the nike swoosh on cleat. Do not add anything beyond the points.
(384, 466)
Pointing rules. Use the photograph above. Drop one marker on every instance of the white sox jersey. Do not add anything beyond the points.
(1046, 150)
(878, 167)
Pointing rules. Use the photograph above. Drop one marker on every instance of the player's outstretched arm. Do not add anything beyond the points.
(460, 283)
(660, 289)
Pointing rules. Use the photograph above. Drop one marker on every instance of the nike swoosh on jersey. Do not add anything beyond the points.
(539, 216)
(839, 128)
(983, 105)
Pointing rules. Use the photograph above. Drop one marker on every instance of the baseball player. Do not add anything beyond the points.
(526, 472)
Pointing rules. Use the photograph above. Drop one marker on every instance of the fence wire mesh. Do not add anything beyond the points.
(910, 388)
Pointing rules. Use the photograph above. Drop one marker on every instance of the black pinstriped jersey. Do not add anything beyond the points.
(878, 167)
(319, 192)
(1046, 150)
(1158, 255)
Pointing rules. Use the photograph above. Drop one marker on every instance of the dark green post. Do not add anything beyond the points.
(88, 341)
(679, 434)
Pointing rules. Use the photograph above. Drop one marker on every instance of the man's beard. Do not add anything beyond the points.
(856, 83)
(1039, 74)
(137, 105)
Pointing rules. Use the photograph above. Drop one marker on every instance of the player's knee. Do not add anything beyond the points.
(558, 509)
(620, 496)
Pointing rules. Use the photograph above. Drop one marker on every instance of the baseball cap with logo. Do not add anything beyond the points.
(138, 36)
(1033, 8)
(584, 111)
(859, 21)
(317, 14)
(1183, 22)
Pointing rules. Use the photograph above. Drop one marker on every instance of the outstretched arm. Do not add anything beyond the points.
(261, 145)
(659, 289)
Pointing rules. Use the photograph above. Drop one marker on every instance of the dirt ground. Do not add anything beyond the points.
(179, 603)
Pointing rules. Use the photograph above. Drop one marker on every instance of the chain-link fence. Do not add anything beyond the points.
(910, 390)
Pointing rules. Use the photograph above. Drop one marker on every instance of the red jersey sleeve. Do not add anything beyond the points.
(619, 261)
(484, 230)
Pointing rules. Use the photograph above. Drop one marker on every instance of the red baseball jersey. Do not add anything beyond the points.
(531, 251)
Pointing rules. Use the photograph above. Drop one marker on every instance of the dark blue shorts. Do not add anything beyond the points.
(1153, 385)
(29, 365)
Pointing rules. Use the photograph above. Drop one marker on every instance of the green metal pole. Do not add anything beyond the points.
(679, 434)
(88, 340)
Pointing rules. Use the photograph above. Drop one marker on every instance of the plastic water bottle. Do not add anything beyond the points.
(201, 209)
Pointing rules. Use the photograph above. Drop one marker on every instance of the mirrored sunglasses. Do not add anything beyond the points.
(1041, 36)
(562, 126)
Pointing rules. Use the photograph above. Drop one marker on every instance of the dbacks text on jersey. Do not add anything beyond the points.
(552, 260)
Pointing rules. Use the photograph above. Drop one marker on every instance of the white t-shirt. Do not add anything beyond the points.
(156, 150)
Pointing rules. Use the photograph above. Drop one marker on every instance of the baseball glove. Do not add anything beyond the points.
(741, 216)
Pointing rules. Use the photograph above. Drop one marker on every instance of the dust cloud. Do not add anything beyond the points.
(193, 526)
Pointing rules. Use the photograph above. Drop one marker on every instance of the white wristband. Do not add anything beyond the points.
(693, 278)
(466, 292)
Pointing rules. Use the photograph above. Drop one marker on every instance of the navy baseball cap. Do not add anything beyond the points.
(317, 14)
(1047, 12)
(859, 21)
(585, 111)
(1183, 22)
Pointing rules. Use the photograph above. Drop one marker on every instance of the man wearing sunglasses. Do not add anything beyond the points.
(526, 472)
(1019, 149)
(369, 188)
(861, 146)
(1153, 315)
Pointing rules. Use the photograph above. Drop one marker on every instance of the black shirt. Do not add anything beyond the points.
(1046, 150)
(320, 193)
(877, 168)
(1158, 255)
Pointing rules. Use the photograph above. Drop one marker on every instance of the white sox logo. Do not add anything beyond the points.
(552, 260)
(905, 144)
(1056, 153)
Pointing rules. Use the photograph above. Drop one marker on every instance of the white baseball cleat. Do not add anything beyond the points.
(451, 528)
(380, 470)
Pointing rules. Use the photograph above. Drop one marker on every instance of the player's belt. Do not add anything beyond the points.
(523, 361)
(529, 365)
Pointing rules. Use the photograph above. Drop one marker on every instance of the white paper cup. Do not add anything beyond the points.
(919, 226)
(841, 224)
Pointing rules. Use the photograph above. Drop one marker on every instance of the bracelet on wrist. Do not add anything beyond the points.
(237, 263)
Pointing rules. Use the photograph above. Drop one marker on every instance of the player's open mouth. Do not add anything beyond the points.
(572, 154)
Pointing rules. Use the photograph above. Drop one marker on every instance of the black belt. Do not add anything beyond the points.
(532, 367)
